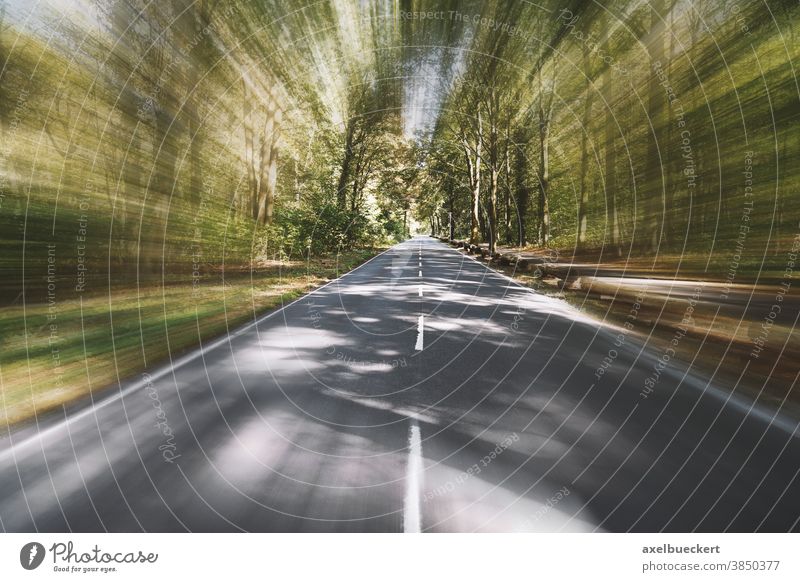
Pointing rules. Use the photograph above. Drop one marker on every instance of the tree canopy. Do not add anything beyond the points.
(168, 135)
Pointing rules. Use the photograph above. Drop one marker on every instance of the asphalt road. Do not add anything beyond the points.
(420, 392)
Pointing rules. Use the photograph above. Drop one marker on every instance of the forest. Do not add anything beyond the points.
(209, 149)
(642, 129)
(200, 133)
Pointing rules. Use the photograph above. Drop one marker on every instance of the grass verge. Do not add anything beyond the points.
(717, 343)
(53, 354)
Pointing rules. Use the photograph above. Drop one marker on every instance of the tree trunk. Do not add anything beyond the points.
(583, 207)
(267, 167)
(195, 21)
(344, 174)
(544, 182)
(523, 196)
(475, 183)
(450, 225)
(356, 176)
(610, 187)
(249, 152)
(272, 180)
(475, 232)
(507, 191)
(195, 146)
(475, 194)
(652, 225)
(493, 183)
(672, 162)
(160, 190)
(493, 210)
(520, 181)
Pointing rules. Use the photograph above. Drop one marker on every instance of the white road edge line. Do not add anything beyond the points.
(412, 516)
(420, 331)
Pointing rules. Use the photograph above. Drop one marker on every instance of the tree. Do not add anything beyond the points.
(520, 148)
(470, 136)
(583, 204)
(544, 109)
(654, 207)
(612, 231)
(268, 164)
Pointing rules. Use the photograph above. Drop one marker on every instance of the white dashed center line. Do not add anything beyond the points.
(420, 321)
(412, 517)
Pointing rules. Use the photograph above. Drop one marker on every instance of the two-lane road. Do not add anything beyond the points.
(419, 392)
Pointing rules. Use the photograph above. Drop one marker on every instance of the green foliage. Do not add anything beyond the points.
(170, 137)
(655, 107)
(218, 134)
